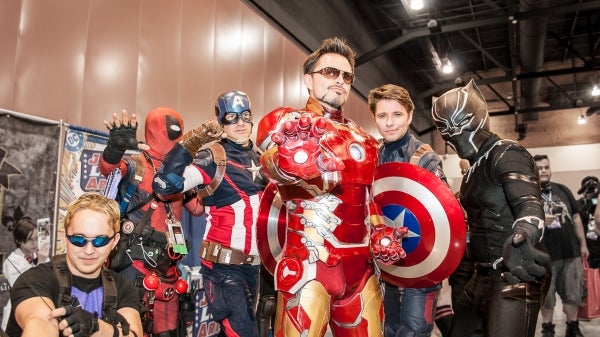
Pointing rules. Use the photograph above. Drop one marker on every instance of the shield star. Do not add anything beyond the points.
(399, 222)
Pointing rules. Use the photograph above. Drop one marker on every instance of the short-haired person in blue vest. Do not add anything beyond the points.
(409, 312)
(100, 302)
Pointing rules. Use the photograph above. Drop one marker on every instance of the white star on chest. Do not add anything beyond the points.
(254, 170)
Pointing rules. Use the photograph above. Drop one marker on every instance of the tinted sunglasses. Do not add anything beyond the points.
(333, 73)
(81, 241)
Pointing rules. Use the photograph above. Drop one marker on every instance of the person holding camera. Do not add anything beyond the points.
(565, 241)
(587, 204)
(75, 295)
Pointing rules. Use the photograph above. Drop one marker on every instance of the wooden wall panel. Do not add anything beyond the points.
(49, 69)
(196, 101)
(251, 57)
(10, 12)
(274, 65)
(159, 54)
(111, 60)
(82, 60)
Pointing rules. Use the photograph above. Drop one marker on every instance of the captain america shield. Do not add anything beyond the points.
(270, 227)
(411, 196)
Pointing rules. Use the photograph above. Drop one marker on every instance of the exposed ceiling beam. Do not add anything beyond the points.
(417, 33)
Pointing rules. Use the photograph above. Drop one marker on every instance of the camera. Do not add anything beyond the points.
(589, 188)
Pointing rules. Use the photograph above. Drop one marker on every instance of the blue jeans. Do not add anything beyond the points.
(409, 312)
(231, 292)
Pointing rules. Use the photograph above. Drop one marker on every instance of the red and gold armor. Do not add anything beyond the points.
(323, 166)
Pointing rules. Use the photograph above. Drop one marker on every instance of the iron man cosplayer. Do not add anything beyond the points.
(322, 166)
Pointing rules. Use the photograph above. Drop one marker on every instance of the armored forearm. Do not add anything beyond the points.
(206, 133)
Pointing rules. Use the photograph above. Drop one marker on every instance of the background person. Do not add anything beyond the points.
(587, 204)
(91, 231)
(25, 256)
(565, 240)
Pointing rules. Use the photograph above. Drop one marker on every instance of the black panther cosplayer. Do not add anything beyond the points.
(501, 196)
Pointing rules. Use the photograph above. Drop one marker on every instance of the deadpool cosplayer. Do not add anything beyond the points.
(227, 175)
(501, 197)
(322, 164)
(145, 253)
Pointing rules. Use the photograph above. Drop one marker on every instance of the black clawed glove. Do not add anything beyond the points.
(120, 139)
(169, 179)
(82, 322)
(524, 262)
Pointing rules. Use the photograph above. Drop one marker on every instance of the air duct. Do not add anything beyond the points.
(532, 40)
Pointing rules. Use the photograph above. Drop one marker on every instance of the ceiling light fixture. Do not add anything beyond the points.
(581, 120)
(416, 4)
(447, 67)
(595, 90)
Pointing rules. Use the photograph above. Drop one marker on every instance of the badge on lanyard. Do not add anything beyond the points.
(176, 237)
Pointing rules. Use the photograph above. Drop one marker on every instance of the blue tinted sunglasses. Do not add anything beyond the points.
(82, 241)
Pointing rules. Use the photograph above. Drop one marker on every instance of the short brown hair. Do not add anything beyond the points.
(97, 203)
(391, 92)
(333, 45)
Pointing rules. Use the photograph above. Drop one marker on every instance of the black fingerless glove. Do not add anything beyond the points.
(524, 262)
(82, 322)
(121, 138)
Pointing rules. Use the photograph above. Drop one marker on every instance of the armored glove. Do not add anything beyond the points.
(208, 132)
(299, 153)
(169, 178)
(386, 243)
(120, 139)
(523, 261)
(82, 322)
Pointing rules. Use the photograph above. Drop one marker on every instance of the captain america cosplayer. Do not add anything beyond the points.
(229, 254)
(144, 250)
(501, 197)
(322, 166)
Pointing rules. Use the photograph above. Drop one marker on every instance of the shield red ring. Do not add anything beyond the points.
(270, 227)
(411, 196)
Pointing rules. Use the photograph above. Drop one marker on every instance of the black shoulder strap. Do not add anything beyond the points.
(59, 264)
(110, 291)
(220, 158)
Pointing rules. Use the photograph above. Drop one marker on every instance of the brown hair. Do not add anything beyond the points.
(391, 92)
(97, 203)
(23, 229)
(333, 45)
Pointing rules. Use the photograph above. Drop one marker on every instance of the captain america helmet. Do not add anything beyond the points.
(231, 106)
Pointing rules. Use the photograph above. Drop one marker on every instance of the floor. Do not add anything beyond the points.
(589, 328)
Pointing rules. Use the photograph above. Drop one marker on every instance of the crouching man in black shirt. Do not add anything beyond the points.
(74, 295)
